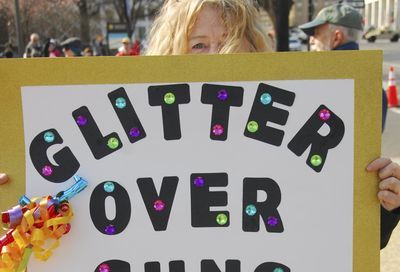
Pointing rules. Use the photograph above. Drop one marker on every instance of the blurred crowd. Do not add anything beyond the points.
(71, 47)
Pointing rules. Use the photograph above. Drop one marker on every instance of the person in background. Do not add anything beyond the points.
(50, 49)
(8, 51)
(33, 48)
(99, 46)
(339, 27)
(72, 47)
(88, 52)
(127, 50)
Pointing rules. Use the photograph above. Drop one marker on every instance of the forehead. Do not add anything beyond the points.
(321, 30)
(209, 18)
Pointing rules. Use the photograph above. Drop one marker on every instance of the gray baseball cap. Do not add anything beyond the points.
(338, 14)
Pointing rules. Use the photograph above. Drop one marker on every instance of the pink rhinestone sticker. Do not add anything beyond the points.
(218, 130)
(104, 268)
(159, 205)
(324, 114)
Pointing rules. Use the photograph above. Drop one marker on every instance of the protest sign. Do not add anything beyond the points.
(250, 162)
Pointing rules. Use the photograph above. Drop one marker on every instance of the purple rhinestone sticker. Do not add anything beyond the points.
(222, 95)
(134, 132)
(47, 170)
(110, 229)
(272, 221)
(81, 120)
(199, 182)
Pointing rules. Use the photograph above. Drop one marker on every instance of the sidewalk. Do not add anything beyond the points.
(390, 256)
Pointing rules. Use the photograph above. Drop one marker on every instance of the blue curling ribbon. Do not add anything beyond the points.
(73, 191)
(24, 200)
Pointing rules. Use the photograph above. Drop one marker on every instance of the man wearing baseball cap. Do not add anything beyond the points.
(336, 27)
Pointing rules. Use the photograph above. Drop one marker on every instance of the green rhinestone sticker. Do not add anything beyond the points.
(113, 143)
(222, 219)
(252, 126)
(316, 160)
(169, 98)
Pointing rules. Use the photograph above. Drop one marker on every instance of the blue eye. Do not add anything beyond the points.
(199, 46)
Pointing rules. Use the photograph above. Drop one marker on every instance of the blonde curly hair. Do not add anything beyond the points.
(172, 27)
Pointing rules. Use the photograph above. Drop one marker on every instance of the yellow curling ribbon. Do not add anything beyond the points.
(33, 233)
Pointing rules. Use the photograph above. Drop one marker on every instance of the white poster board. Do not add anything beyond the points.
(314, 207)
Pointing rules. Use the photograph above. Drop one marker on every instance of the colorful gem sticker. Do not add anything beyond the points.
(81, 120)
(49, 137)
(169, 98)
(120, 102)
(222, 219)
(104, 268)
(252, 126)
(109, 186)
(113, 143)
(316, 160)
(134, 132)
(218, 130)
(110, 229)
(272, 221)
(47, 170)
(324, 114)
(265, 98)
(251, 210)
(222, 95)
(198, 182)
(159, 205)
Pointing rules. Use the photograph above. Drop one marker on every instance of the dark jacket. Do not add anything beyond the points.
(389, 220)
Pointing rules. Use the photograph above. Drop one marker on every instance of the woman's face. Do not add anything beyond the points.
(209, 32)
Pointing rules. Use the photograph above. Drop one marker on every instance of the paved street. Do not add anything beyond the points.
(391, 56)
(390, 256)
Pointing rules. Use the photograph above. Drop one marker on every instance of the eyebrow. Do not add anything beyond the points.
(198, 37)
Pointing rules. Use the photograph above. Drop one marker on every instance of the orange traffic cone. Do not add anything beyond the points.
(391, 92)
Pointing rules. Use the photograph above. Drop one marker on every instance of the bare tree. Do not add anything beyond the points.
(84, 20)
(4, 21)
(128, 12)
(60, 20)
(278, 11)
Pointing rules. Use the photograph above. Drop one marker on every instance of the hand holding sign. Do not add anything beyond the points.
(389, 186)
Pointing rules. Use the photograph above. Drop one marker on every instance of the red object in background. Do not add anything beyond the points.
(391, 92)
(133, 51)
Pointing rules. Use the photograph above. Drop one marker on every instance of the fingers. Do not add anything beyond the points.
(385, 167)
(3, 178)
(390, 170)
(390, 184)
(378, 164)
(389, 200)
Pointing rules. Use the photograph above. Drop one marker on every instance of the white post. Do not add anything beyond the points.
(373, 14)
(366, 15)
(396, 12)
(387, 13)
(384, 4)
(380, 14)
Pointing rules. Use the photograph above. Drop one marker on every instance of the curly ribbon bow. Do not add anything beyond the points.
(36, 225)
